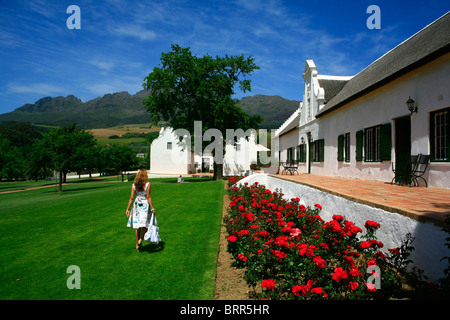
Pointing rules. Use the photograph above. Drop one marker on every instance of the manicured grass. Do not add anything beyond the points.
(42, 234)
(22, 185)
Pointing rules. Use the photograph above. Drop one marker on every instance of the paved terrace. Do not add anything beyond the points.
(420, 203)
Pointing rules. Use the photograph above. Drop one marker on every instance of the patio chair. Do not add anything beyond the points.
(293, 167)
(284, 167)
(419, 170)
(403, 174)
(290, 166)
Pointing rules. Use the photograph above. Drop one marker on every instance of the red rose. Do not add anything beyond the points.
(380, 255)
(339, 274)
(365, 244)
(353, 285)
(354, 272)
(242, 257)
(232, 239)
(302, 289)
(319, 262)
(268, 284)
(371, 262)
(372, 224)
(280, 255)
(263, 233)
(318, 206)
(324, 246)
(394, 251)
(317, 290)
(370, 287)
(333, 225)
(243, 232)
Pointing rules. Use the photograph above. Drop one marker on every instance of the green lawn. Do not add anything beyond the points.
(43, 233)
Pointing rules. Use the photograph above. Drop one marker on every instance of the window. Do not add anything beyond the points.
(372, 144)
(347, 147)
(440, 135)
(377, 143)
(169, 145)
(318, 150)
(344, 147)
(301, 153)
(290, 154)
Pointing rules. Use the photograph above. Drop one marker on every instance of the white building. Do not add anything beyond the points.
(170, 154)
(360, 127)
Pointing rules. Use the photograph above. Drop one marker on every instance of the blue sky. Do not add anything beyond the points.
(121, 41)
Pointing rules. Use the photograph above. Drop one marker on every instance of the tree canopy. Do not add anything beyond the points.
(29, 152)
(186, 88)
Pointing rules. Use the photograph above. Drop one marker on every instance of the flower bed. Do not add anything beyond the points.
(289, 252)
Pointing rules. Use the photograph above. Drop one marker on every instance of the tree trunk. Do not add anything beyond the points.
(218, 171)
(60, 181)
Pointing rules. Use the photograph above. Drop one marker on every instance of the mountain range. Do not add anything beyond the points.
(122, 108)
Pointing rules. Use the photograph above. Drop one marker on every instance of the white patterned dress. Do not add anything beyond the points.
(139, 216)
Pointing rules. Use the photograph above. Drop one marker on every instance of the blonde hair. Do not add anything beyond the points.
(141, 179)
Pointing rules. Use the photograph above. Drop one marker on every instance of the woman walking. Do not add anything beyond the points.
(139, 219)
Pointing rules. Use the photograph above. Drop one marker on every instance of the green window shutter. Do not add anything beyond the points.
(322, 150)
(341, 147)
(359, 145)
(386, 142)
(303, 153)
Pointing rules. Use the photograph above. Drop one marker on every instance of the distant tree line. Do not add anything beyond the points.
(30, 152)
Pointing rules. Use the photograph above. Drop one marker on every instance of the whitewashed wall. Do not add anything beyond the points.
(179, 160)
(428, 86)
(237, 161)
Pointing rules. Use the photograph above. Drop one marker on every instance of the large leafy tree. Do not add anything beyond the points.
(186, 88)
(11, 160)
(121, 158)
(66, 148)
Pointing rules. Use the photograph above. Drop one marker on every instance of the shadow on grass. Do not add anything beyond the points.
(70, 188)
(152, 247)
(186, 180)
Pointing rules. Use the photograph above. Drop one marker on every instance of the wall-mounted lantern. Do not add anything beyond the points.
(412, 107)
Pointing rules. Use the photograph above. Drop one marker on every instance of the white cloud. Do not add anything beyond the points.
(136, 31)
(102, 65)
(36, 88)
(42, 8)
(131, 84)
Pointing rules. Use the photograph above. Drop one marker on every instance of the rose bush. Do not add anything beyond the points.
(289, 252)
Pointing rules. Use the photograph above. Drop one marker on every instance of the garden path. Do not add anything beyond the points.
(230, 283)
